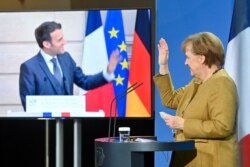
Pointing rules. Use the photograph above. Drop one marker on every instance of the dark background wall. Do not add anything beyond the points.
(22, 142)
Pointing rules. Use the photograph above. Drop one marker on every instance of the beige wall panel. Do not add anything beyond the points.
(5, 108)
(20, 26)
(128, 19)
(12, 55)
(9, 89)
(73, 24)
(76, 51)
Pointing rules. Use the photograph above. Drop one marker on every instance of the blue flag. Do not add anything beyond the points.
(115, 39)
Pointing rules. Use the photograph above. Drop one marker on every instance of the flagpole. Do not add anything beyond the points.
(59, 143)
(77, 143)
(47, 143)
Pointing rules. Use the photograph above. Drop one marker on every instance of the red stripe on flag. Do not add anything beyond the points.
(100, 99)
(140, 71)
(245, 150)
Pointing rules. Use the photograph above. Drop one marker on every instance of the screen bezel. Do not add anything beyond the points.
(95, 5)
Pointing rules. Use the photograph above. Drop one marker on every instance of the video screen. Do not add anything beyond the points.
(91, 35)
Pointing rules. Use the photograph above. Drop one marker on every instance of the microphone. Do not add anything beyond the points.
(117, 98)
(117, 102)
(111, 104)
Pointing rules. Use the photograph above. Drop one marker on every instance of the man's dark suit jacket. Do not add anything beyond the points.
(36, 78)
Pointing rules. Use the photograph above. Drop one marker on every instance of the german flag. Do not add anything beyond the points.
(139, 101)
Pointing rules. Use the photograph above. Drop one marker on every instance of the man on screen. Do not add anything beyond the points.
(53, 71)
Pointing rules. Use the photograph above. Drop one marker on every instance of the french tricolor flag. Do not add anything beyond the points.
(238, 65)
(95, 59)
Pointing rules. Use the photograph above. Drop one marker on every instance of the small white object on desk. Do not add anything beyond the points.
(142, 140)
(124, 134)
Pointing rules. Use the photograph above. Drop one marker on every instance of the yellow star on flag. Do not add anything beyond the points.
(113, 33)
(124, 64)
(123, 47)
(119, 80)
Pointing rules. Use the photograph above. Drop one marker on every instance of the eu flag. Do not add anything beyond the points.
(115, 39)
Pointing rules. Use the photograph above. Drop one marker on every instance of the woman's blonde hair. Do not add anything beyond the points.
(207, 44)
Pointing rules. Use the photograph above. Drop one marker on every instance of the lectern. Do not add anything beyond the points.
(110, 152)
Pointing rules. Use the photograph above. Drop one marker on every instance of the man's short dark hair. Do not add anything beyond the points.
(42, 32)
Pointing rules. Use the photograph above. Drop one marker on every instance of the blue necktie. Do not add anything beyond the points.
(57, 73)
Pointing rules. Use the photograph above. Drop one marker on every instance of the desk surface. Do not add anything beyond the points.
(146, 145)
(110, 152)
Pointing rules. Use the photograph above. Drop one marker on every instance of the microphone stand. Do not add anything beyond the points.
(111, 104)
(117, 98)
(117, 101)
